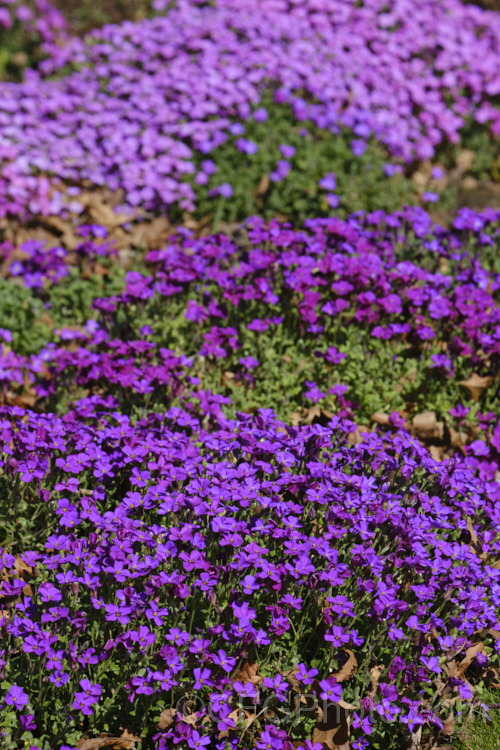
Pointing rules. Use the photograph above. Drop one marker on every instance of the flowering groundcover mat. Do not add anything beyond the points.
(178, 570)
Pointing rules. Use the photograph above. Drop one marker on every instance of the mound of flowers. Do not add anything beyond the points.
(137, 107)
(251, 585)
(277, 316)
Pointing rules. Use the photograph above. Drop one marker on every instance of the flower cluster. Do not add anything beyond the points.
(136, 111)
(166, 569)
(287, 318)
(38, 18)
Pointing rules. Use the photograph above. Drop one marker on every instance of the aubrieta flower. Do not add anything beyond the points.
(16, 697)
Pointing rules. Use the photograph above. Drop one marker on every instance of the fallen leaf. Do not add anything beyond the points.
(235, 716)
(491, 678)
(166, 719)
(332, 727)
(248, 673)
(436, 452)
(476, 385)
(415, 739)
(312, 413)
(359, 435)
(464, 159)
(375, 673)
(107, 740)
(425, 425)
(470, 654)
(380, 417)
(348, 669)
(100, 270)
(24, 573)
(263, 186)
(291, 678)
(448, 725)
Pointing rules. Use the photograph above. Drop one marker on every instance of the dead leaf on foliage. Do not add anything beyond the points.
(166, 719)
(332, 728)
(64, 229)
(426, 426)
(375, 673)
(449, 725)
(359, 435)
(99, 270)
(380, 417)
(415, 739)
(24, 573)
(100, 212)
(490, 678)
(450, 669)
(248, 673)
(235, 716)
(150, 234)
(436, 452)
(127, 741)
(470, 655)
(291, 678)
(476, 385)
(312, 413)
(349, 668)
(464, 160)
(263, 186)
(457, 439)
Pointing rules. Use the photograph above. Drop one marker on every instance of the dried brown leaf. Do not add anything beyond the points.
(235, 716)
(263, 186)
(332, 728)
(470, 655)
(166, 719)
(126, 742)
(436, 452)
(349, 668)
(425, 425)
(380, 417)
(476, 385)
(375, 673)
(449, 724)
(292, 679)
(249, 673)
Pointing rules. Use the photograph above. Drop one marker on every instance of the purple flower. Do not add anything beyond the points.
(429, 197)
(249, 362)
(358, 147)
(331, 690)
(246, 690)
(329, 182)
(361, 723)
(306, 675)
(260, 114)
(197, 740)
(16, 697)
(223, 660)
(287, 151)
(27, 723)
(202, 678)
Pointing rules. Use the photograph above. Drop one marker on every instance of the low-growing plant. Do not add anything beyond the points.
(159, 573)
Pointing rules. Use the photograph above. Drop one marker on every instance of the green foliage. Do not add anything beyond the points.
(482, 732)
(361, 181)
(32, 315)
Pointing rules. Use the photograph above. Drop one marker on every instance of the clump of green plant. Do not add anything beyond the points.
(260, 186)
(482, 730)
